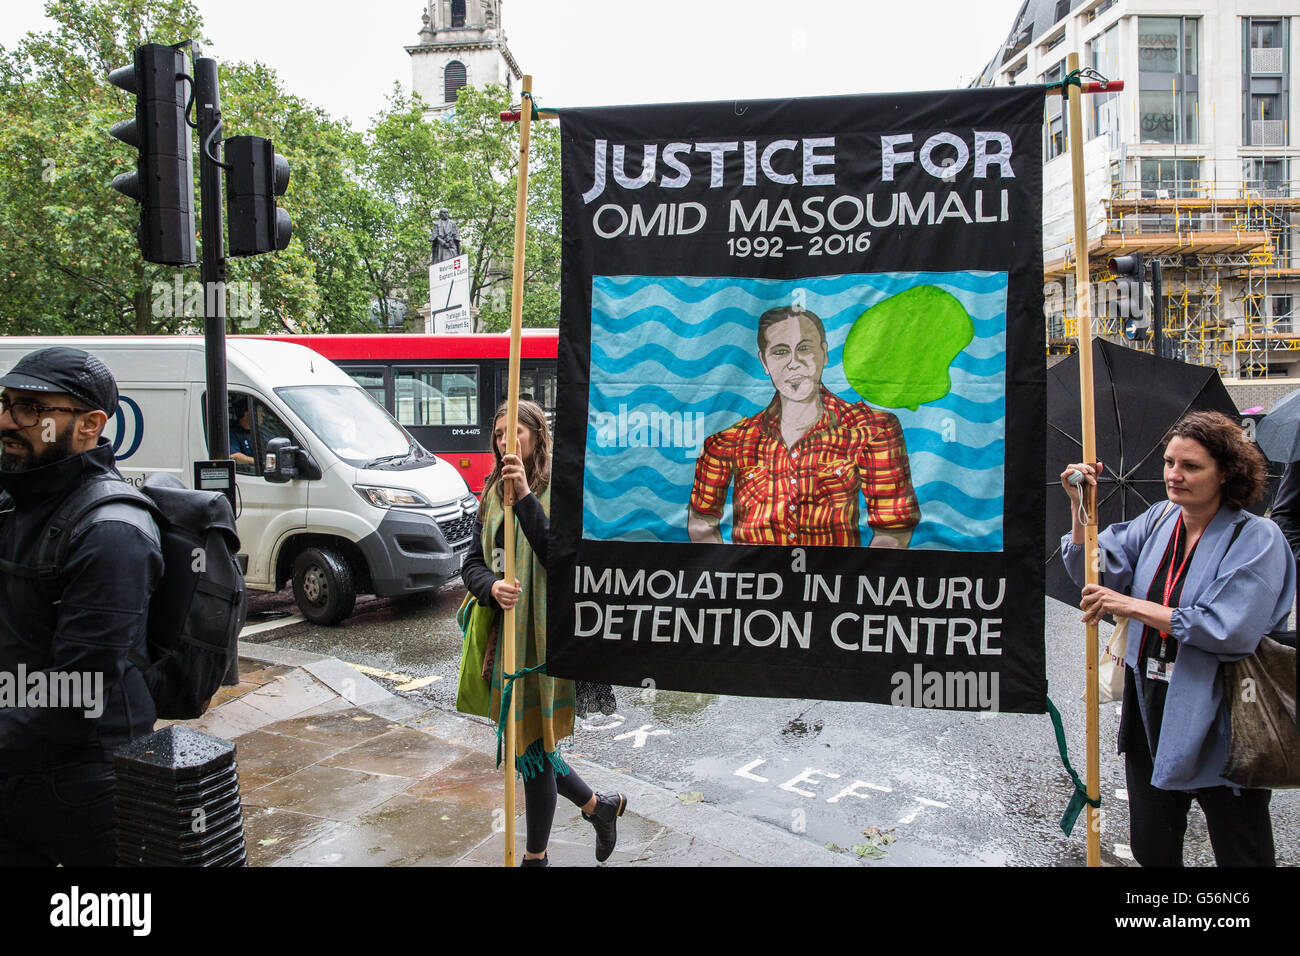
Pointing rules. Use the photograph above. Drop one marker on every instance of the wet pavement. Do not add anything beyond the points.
(336, 771)
(876, 785)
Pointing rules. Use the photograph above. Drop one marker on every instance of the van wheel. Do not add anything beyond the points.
(323, 586)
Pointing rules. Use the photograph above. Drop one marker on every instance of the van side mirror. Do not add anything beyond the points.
(285, 461)
(281, 462)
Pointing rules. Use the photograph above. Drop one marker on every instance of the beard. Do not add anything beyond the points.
(50, 452)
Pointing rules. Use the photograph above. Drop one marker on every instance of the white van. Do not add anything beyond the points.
(370, 510)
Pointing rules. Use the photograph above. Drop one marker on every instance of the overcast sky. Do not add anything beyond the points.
(345, 57)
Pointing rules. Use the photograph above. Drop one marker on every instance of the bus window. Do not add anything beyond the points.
(535, 385)
(436, 395)
(371, 379)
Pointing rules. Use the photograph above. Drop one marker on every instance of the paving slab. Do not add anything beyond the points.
(346, 728)
(402, 752)
(232, 719)
(471, 780)
(289, 695)
(273, 833)
(348, 682)
(264, 757)
(403, 831)
(330, 792)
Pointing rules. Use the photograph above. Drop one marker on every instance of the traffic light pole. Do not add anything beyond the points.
(207, 101)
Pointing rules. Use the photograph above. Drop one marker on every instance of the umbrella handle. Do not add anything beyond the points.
(1087, 496)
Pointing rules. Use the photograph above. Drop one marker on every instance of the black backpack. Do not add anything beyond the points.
(199, 605)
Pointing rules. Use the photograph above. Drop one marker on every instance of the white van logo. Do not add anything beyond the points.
(125, 438)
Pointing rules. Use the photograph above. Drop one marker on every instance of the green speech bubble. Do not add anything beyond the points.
(898, 352)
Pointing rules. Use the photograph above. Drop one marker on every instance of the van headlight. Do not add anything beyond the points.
(382, 497)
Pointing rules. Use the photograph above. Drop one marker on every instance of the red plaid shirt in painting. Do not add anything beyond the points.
(808, 494)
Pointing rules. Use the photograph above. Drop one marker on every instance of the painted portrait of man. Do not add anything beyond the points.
(800, 469)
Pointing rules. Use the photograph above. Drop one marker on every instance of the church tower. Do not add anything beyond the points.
(461, 44)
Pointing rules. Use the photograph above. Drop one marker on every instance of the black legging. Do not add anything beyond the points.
(539, 802)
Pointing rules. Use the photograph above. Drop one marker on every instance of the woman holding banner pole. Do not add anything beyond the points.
(1201, 580)
(546, 714)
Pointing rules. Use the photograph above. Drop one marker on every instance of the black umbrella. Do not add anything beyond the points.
(1279, 433)
(1137, 398)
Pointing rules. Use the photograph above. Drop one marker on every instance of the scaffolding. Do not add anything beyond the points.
(1226, 252)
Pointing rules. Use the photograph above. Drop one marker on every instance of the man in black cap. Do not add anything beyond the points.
(69, 691)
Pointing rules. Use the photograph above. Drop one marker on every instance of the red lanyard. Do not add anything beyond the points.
(1172, 576)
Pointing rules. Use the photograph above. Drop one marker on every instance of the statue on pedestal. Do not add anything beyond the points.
(446, 240)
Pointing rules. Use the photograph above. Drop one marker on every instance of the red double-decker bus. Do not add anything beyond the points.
(444, 388)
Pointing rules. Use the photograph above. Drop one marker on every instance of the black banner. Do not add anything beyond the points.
(800, 414)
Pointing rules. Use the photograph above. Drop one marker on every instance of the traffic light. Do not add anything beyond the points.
(257, 174)
(163, 183)
(1130, 273)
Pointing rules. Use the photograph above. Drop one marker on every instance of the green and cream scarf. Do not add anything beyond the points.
(544, 705)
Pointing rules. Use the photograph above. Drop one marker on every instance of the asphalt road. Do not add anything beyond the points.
(892, 785)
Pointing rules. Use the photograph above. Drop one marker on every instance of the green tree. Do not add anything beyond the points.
(362, 205)
(466, 161)
(66, 239)
(69, 263)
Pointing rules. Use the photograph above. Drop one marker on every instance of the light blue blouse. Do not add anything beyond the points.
(1231, 597)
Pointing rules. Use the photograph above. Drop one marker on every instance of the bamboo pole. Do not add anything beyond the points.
(508, 663)
(1083, 307)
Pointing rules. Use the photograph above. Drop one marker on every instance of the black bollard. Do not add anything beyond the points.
(178, 801)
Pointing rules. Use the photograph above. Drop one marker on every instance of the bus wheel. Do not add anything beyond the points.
(323, 586)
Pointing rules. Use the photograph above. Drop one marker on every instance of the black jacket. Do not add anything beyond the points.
(1286, 507)
(113, 564)
(476, 573)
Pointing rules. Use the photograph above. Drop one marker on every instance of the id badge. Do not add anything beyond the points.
(1159, 670)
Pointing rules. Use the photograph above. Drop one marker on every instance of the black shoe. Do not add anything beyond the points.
(609, 807)
(542, 862)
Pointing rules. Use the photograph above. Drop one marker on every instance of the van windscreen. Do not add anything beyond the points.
(350, 423)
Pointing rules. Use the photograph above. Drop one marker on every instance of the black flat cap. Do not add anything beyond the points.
(63, 369)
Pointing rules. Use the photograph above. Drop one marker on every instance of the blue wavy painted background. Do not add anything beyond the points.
(687, 346)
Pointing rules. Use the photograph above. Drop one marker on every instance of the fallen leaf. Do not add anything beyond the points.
(363, 718)
(268, 841)
(693, 797)
(869, 851)
(880, 837)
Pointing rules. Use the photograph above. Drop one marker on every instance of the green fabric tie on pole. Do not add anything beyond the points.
(507, 689)
(1080, 795)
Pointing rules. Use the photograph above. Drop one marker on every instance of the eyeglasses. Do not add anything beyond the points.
(26, 414)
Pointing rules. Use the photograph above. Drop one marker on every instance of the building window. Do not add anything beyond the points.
(453, 78)
(457, 13)
(1103, 56)
(1283, 316)
(1168, 79)
(1265, 177)
(1098, 10)
(1054, 125)
(1265, 81)
(1170, 178)
(1021, 33)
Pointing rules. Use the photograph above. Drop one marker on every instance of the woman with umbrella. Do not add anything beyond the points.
(1205, 580)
